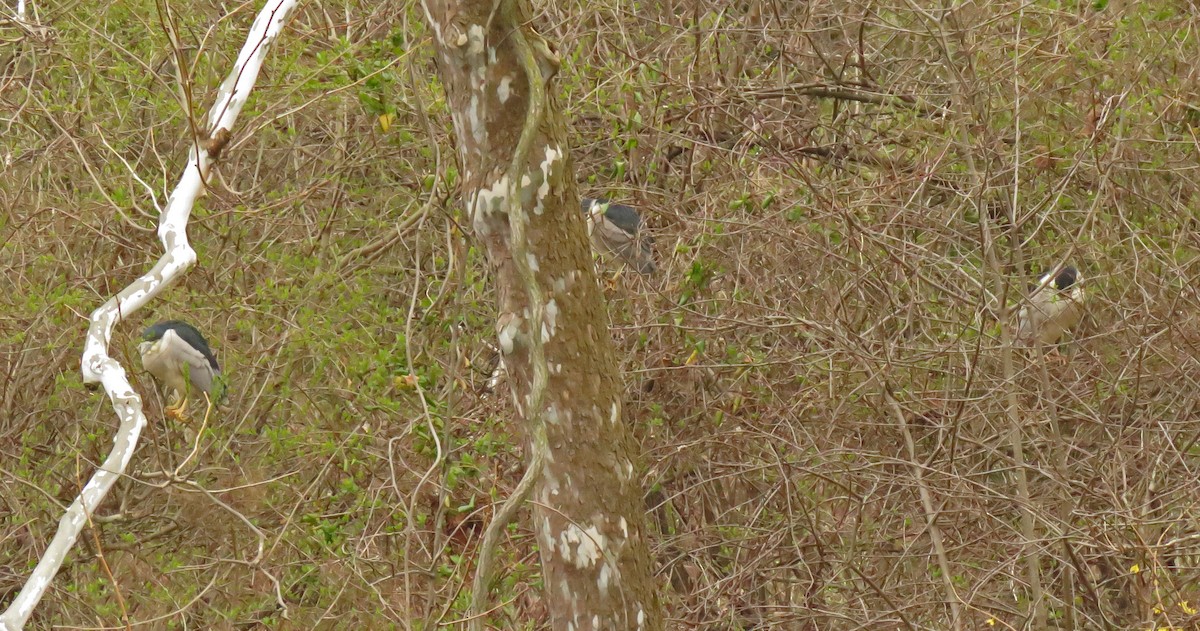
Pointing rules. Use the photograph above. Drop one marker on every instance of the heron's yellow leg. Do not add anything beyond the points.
(178, 410)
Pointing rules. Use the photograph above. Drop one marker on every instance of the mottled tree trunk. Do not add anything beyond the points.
(587, 501)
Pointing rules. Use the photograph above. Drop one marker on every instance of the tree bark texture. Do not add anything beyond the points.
(587, 510)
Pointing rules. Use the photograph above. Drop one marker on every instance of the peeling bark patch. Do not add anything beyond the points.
(475, 113)
(607, 576)
(583, 548)
(457, 120)
(489, 200)
(505, 90)
(549, 487)
(509, 329)
(476, 37)
(90, 491)
(553, 156)
(551, 319)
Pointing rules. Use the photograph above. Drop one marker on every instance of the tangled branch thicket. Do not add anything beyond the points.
(849, 201)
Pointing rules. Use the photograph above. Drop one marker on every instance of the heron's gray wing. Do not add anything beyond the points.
(625, 217)
(199, 370)
(1047, 316)
(637, 251)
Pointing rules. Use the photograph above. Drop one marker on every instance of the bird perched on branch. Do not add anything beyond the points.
(1055, 306)
(617, 230)
(178, 356)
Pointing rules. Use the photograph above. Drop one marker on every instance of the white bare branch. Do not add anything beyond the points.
(98, 366)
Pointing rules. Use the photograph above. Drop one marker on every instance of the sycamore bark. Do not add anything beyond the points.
(587, 505)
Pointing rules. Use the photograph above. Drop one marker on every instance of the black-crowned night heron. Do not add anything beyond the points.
(616, 229)
(1055, 306)
(178, 356)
